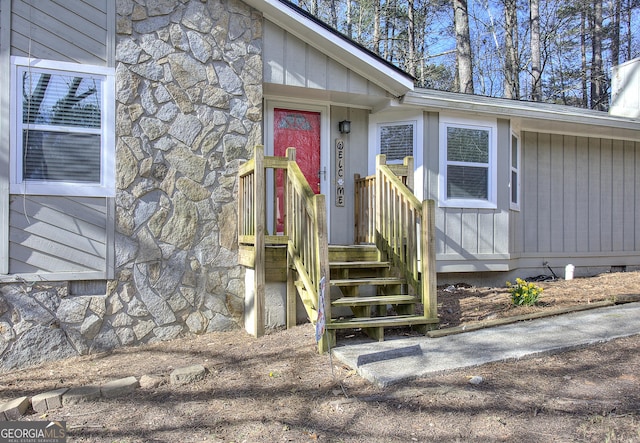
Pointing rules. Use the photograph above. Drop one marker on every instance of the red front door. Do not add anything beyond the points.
(300, 130)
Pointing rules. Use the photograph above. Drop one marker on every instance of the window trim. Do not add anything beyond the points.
(488, 125)
(515, 206)
(106, 186)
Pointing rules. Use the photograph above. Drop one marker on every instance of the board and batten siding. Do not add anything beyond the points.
(356, 162)
(56, 238)
(580, 202)
(469, 239)
(291, 62)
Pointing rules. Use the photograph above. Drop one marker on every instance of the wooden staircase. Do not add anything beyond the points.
(374, 285)
(377, 295)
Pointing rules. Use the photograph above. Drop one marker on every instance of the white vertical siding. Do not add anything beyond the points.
(606, 196)
(342, 218)
(452, 231)
(274, 65)
(617, 191)
(631, 196)
(317, 78)
(291, 62)
(580, 198)
(542, 218)
(336, 76)
(569, 191)
(556, 202)
(295, 62)
(488, 239)
(595, 201)
(529, 191)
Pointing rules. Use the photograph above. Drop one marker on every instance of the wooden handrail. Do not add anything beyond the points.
(308, 249)
(400, 225)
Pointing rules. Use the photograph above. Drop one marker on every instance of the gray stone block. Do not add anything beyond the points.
(14, 409)
(119, 387)
(48, 400)
(81, 394)
(189, 374)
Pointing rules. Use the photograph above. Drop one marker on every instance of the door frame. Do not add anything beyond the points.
(325, 153)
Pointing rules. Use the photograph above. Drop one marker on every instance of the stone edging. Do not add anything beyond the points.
(59, 398)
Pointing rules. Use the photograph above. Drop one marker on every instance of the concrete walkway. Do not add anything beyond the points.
(392, 361)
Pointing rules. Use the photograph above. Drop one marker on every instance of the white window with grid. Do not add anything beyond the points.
(397, 140)
(467, 163)
(62, 128)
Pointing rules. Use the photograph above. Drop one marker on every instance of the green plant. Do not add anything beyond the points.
(524, 293)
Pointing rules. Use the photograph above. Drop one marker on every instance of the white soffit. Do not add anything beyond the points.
(333, 45)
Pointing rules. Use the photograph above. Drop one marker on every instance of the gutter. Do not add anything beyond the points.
(439, 100)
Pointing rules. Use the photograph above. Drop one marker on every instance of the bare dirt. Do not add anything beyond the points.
(278, 389)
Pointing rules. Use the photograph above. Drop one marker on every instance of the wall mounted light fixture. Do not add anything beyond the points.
(344, 127)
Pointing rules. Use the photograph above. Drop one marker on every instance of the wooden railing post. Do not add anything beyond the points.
(428, 260)
(292, 310)
(409, 181)
(259, 223)
(358, 209)
(379, 227)
(322, 268)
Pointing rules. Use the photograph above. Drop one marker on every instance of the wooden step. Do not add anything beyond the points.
(376, 300)
(339, 265)
(352, 253)
(374, 281)
(373, 322)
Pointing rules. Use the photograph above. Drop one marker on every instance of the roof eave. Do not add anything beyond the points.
(334, 45)
(513, 108)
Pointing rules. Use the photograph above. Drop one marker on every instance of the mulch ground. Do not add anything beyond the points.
(277, 388)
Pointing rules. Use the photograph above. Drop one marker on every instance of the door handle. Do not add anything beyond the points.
(322, 174)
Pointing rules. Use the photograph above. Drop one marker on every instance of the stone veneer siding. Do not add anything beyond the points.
(189, 109)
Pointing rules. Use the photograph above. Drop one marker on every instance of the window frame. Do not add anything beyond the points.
(485, 125)
(393, 118)
(384, 124)
(106, 186)
(515, 206)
